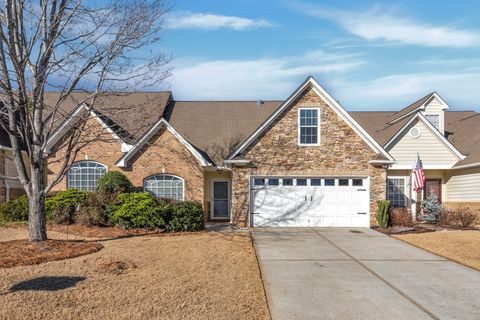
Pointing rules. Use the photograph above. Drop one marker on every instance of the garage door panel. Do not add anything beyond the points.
(314, 206)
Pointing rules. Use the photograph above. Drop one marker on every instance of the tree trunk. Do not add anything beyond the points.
(37, 229)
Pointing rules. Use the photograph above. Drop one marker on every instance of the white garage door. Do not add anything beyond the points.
(310, 202)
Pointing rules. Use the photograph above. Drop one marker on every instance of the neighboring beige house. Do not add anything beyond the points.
(304, 161)
(9, 188)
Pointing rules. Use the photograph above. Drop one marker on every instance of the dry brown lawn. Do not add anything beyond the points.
(199, 276)
(461, 246)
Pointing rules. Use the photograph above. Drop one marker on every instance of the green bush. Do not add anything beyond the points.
(94, 211)
(62, 206)
(383, 213)
(187, 216)
(114, 183)
(15, 210)
(137, 210)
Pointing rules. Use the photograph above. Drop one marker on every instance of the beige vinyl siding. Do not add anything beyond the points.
(436, 107)
(432, 150)
(463, 185)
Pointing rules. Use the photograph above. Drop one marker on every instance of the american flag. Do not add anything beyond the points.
(418, 175)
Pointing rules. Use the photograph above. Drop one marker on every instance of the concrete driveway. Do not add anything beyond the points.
(360, 274)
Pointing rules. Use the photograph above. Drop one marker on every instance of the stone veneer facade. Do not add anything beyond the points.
(276, 152)
(162, 154)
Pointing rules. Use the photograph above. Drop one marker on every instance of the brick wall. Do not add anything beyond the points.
(163, 154)
(275, 152)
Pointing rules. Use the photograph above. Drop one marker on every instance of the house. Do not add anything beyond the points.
(10, 186)
(304, 161)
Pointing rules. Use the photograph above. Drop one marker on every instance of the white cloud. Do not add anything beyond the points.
(266, 78)
(209, 21)
(460, 89)
(378, 24)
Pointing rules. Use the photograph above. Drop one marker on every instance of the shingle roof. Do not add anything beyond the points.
(462, 129)
(217, 127)
(130, 115)
(412, 107)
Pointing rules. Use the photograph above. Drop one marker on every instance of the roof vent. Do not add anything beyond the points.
(259, 102)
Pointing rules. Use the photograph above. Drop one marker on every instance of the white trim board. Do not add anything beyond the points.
(332, 103)
(432, 128)
(150, 133)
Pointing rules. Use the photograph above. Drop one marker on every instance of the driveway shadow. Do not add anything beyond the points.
(53, 283)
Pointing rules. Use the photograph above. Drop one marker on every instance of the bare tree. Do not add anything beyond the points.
(68, 46)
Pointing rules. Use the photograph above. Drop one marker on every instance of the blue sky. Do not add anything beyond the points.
(369, 55)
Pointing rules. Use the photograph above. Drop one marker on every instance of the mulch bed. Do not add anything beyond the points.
(22, 252)
(404, 230)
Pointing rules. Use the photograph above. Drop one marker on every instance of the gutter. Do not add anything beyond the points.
(466, 166)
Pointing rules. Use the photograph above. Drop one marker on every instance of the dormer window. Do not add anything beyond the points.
(308, 126)
(434, 119)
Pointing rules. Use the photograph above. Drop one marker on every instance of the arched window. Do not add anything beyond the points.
(84, 175)
(164, 186)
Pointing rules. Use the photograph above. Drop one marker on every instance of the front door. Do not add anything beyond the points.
(220, 199)
(433, 186)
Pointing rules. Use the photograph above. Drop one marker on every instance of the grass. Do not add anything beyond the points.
(189, 276)
(460, 246)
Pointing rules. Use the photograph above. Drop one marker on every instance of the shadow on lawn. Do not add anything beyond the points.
(54, 283)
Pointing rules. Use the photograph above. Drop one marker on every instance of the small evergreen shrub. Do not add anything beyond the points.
(64, 204)
(187, 216)
(136, 210)
(15, 210)
(400, 216)
(383, 213)
(114, 183)
(431, 209)
(94, 212)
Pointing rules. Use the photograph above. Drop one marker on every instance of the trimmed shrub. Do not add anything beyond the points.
(114, 183)
(463, 217)
(94, 212)
(383, 213)
(136, 210)
(15, 210)
(64, 204)
(400, 216)
(431, 209)
(187, 216)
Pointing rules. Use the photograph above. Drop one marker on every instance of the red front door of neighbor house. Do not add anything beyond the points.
(433, 186)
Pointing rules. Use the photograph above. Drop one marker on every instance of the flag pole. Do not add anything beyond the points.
(412, 193)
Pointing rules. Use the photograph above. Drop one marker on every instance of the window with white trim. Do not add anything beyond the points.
(396, 191)
(434, 119)
(164, 186)
(308, 132)
(83, 175)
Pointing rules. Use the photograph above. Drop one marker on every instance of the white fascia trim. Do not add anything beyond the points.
(162, 122)
(124, 146)
(423, 106)
(425, 166)
(381, 162)
(466, 166)
(433, 129)
(331, 102)
(60, 131)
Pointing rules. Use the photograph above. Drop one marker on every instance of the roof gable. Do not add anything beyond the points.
(123, 161)
(417, 106)
(332, 103)
(426, 124)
